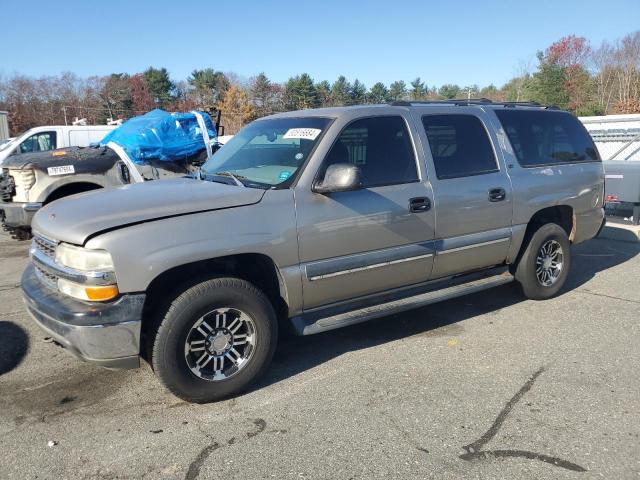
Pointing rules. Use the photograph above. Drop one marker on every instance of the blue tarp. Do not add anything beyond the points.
(161, 135)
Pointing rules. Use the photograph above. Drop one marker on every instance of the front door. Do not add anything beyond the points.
(473, 195)
(369, 240)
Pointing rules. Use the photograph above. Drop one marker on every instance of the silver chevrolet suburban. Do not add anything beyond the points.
(313, 219)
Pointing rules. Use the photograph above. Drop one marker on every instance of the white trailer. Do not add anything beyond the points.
(616, 136)
(618, 140)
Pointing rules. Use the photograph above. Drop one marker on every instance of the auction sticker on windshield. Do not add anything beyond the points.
(303, 133)
(61, 170)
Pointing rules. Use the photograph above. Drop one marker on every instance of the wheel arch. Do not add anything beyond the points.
(256, 268)
(562, 215)
(70, 188)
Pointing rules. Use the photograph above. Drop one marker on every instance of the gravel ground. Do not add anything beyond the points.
(485, 386)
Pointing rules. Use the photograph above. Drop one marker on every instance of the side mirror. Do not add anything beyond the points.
(340, 177)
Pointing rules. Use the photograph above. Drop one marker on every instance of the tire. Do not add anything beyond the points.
(543, 284)
(195, 325)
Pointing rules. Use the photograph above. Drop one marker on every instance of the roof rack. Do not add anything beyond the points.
(461, 102)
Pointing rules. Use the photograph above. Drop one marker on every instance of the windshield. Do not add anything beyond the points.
(268, 152)
(5, 143)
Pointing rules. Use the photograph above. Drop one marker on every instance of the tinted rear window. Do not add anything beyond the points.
(547, 138)
(459, 145)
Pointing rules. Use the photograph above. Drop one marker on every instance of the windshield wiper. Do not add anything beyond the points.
(236, 178)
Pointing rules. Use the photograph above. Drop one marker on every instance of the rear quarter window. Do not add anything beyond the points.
(542, 137)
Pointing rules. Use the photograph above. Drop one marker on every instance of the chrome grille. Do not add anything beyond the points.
(44, 245)
(47, 278)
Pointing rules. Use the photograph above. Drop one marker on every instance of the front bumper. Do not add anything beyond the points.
(106, 334)
(17, 214)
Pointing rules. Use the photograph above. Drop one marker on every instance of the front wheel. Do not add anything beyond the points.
(544, 266)
(215, 339)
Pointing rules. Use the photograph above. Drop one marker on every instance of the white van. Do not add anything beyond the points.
(39, 139)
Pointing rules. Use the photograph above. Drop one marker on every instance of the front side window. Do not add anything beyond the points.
(459, 145)
(381, 147)
(268, 153)
(542, 137)
(39, 142)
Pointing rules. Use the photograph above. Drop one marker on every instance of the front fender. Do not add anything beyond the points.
(141, 252)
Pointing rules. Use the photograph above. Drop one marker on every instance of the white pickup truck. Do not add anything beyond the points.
(52, 137)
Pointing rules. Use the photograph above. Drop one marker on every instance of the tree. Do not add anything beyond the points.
(222, 85)
(300, 92)
(141, 96)
(323, 94)
(417, 89)
(341, 91)
(397, 90)
(262, 94)
(237, 108)
(603, 64)
(379, 93)
(627, 63)
(160, 85)
(449, 91)
(571, 53)
(358, 93)
(548, 84)
(115, 96)
(491, 92)
(203, 83)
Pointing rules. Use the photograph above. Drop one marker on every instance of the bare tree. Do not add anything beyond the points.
(603, 68)
(627, 62)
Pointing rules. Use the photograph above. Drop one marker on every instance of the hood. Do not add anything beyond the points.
(76, 218)
(21, 160)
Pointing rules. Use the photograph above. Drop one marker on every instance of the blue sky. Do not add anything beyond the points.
(476, 42)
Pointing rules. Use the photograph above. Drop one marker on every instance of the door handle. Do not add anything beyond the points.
(419, 204)
(497, 194)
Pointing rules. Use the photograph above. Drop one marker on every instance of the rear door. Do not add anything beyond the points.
(473, 194)
(369, 240)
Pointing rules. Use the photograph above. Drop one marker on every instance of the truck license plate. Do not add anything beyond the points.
(61, 170)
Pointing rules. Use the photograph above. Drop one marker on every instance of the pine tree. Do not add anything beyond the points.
(323, 94)
(449, 91)
(300, 92)
(262, 94)
(379, 93)
(397, 90)
(340, 91)
(160, 85)
(358, 93)
(417, 90)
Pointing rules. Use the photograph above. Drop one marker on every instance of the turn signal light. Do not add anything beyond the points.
(100, 294)
(93, 293)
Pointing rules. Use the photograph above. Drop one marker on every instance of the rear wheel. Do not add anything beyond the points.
(544, 266)
(215, 339)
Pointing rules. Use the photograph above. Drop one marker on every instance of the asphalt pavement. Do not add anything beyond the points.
(481, 387)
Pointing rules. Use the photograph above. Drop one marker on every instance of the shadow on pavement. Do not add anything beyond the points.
(14, 344)
(297, 354)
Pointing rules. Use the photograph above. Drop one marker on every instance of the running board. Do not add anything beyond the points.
(308, 324)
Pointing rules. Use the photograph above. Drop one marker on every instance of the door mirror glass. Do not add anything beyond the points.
(340, 177)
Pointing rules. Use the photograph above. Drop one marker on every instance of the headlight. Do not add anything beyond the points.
(83, 259)
(24, 178)
(96, 293)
